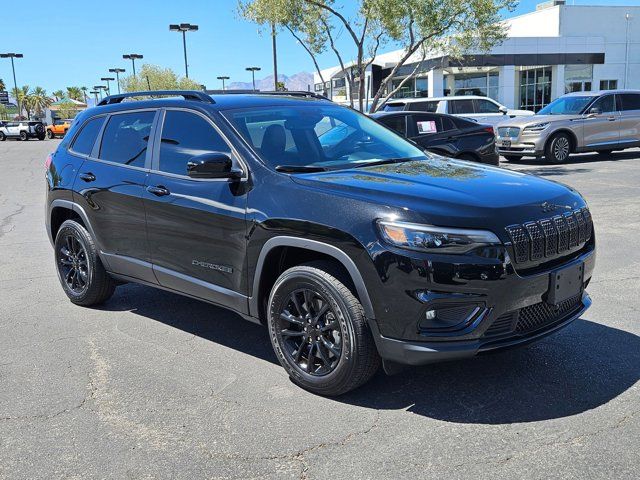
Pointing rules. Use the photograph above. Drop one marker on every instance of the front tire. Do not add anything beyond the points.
(24, 136)
(50, 134)
(80, 271)
(319, 332)
(558, 148)
(3, 137)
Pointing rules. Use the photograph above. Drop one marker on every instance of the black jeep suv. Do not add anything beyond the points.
(350, 243)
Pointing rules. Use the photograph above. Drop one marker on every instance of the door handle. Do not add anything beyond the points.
(88, 177)
(158, 191)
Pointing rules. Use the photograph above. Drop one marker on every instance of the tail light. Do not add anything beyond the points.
(47, 162)
(490, 130)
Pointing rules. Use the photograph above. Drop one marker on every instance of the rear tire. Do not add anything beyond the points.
(558, 148)
(319, 332)
(512, 158)
(80, 271)
(3, 137)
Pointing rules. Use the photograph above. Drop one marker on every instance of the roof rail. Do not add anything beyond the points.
(294, 93)
(186, 94)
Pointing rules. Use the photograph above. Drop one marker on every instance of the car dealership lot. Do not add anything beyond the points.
(156, 385)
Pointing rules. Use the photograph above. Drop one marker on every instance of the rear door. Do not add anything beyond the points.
(110, 185)
(629, 106)
(435, 133)
(196, 227)
(602, 130)
(462, 108)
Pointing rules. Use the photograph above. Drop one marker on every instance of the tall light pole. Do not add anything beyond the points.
(184, 28)
(117, 71)
(99, 88)
(626, 50)
(133, 57)
(253, 71)
(13, 69)
(108, 79)
(95, 94)
(223, 78)
(275, 57)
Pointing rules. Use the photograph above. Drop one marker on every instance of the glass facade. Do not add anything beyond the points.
(535, 88)
(578, 78)
(416, 87)
(480, 83)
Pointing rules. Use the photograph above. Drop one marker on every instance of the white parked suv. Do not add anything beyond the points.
(22, 129)
(479, 109)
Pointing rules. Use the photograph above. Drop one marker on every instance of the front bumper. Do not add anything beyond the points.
(526, 144)
(512, 309)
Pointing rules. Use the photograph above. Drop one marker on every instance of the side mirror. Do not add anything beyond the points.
(212, 165)
(504, 110)
(594, 111)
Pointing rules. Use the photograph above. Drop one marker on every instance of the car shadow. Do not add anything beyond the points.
(579, 368)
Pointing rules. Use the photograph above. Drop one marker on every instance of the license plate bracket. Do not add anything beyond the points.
(565, 283)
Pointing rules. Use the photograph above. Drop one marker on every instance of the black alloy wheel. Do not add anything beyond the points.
(73, 264)
(309, 331)
(24, 136)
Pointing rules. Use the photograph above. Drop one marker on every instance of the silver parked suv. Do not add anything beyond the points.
(577, 122)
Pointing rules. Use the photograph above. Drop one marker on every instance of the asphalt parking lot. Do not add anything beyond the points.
(154, 385)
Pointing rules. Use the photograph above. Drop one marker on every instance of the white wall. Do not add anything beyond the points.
(541, 23)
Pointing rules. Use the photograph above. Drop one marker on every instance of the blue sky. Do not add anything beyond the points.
(72, 42)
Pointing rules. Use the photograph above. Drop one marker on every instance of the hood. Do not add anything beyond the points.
(535, 119)
(520, 113)
(449, 192)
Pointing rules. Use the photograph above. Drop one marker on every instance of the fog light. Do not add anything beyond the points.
(430, 315)
(449, 317)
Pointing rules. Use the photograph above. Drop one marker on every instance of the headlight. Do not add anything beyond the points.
(538, 127)
(427, 238)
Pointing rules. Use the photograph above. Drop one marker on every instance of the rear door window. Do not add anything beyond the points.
(630, 101)
(461, 107)
(426, 124)
(126, 137)
(85, 140)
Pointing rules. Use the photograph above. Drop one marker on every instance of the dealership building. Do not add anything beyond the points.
(557, 48)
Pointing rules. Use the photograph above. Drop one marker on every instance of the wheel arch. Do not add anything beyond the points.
(276, 245)
(573, 138)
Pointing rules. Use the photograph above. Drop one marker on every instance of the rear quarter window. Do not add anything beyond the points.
(630, 101)
(86, 139)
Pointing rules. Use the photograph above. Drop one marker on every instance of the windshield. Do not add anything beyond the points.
(566, 106)
(318, 135)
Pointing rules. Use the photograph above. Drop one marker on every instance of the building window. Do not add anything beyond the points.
(535, 88)
(407, 91)
(422, 87)
(339, 82)
(318, 87)
(608, 84)
(578, 78)
(480, 83)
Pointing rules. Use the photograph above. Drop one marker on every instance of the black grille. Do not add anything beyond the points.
(533, 317)
(550, 237)
(540, 314)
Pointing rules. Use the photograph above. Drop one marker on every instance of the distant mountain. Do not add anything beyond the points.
(298, 81)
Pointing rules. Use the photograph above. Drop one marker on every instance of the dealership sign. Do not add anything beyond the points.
(4, 97)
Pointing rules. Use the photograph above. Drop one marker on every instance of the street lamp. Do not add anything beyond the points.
(108, 79)
(223, 78)
(133, 57)
(117, 71)
(13, 68)
(184, 28)
(253, 71)
(99, 88)
(95, 94)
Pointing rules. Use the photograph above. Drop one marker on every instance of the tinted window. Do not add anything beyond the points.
(87, 137)
(393, 107)
(396, 123)
(125, 138)
(184, 136)
(461, 107)
(630, 101)
(423, 106)
(485, 106)
(605, 104)
(447, 124)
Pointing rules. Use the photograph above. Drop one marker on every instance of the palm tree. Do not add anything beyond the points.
(2, 85)
(75, 93)
(59, 94)
(38, 100)
(20, 94)
(84, 92)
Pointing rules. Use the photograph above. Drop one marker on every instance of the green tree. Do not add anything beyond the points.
(20, 94)
(418, 26)
(59, 94)
(154, 77)
(38, 100)
(67, 109)
(2, 85)
(4, 112)
(75, 93)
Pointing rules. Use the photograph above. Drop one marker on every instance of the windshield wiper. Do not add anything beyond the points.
(299, 169)
(384, 162)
